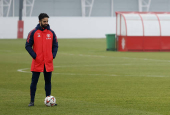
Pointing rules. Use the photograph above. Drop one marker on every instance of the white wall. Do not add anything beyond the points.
(8, 28)
(64, 27)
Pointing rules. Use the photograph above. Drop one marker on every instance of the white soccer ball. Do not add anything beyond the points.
(50, 101)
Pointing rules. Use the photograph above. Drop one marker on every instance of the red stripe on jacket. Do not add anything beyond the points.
(55, 35)
(28, 38)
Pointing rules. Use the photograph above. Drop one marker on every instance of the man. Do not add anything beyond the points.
(42, 45)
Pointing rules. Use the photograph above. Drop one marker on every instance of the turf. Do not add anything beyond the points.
(87, 80)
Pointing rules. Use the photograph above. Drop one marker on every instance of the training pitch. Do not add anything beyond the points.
(87, 80)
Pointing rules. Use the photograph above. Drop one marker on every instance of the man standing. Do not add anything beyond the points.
(42, 45)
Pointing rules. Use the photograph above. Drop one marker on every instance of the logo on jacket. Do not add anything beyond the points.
(48, 35)
(48, 38)
(38, 35)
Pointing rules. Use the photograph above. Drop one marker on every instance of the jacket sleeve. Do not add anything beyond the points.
(55, 45)
(29, 44)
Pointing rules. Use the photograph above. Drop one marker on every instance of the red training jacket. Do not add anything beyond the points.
(42, 45)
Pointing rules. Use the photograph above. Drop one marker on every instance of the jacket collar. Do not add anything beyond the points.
(42, 29)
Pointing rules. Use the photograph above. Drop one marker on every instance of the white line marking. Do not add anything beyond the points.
(145, 59)
(85, 74)
(92, 65)
(24, 70)
(107, 75)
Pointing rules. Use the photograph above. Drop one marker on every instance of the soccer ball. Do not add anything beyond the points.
(50, 101)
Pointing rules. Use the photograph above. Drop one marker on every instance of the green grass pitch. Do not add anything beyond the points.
(87, 80)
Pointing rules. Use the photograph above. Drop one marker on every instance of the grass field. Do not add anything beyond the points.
(87, 80)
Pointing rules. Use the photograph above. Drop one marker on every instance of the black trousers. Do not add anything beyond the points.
(33, 86)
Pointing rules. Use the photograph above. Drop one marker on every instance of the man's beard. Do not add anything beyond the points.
(44, 26)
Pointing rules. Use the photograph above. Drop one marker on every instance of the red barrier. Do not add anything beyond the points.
(20, 29)
(143, 43)
(165, 43)
(152, 43)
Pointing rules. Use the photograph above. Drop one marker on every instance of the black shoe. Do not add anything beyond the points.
(31, 104)
(55, 105)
